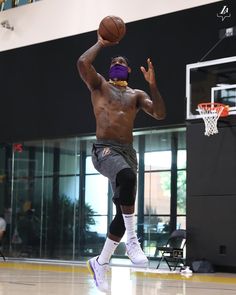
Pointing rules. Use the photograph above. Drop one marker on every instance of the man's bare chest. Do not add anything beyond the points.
(121, 97)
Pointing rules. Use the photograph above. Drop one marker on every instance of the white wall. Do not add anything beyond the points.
(52, 19)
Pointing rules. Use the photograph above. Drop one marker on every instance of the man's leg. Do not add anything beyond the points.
(99, 265)
(126, 180)
(116, 232)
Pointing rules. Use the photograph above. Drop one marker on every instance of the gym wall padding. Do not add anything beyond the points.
(211, 195)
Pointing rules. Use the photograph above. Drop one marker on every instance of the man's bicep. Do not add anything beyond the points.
(94, 81)
(145, 103)
(89, 75)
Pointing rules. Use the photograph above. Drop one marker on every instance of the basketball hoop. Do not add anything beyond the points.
(210, 112)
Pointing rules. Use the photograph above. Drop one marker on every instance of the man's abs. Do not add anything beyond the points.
(120, 134)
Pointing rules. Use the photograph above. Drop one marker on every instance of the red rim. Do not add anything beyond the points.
(215, 106)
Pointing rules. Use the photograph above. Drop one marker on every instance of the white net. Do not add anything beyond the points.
(210, 113)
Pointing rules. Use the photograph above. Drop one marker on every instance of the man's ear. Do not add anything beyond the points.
(129, 70)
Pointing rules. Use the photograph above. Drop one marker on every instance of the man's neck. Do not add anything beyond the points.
(122, 83)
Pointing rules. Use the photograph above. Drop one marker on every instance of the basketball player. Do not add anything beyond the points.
(115, 106)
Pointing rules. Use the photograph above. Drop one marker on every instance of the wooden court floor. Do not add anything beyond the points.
(18, 278)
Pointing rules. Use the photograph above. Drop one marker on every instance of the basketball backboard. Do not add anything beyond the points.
(211, 81)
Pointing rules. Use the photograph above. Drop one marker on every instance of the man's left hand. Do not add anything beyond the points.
(149, 75)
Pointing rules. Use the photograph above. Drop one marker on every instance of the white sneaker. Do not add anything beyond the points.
(135, 252)
(99, 273)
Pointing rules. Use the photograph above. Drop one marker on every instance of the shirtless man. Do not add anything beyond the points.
(115, 106)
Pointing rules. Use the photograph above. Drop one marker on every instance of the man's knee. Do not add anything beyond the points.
(126, 180)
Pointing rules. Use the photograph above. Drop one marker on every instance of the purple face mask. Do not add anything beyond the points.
(118, 72)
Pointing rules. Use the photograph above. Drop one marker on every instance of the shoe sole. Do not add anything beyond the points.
(90, 268)
(92, 272)
(139, 263)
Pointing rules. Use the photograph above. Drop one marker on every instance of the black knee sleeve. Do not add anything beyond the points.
(117, 226)
(126, 180)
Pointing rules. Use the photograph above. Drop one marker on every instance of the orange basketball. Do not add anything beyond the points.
(112, 28)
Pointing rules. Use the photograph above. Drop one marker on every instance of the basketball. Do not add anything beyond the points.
(112, 28)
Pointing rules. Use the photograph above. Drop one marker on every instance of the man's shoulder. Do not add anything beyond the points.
(139, 93)
(102, 82)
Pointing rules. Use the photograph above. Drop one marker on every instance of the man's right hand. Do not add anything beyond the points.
(106, 43)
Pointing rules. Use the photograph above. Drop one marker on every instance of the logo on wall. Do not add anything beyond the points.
(17, 147)
(224, 13)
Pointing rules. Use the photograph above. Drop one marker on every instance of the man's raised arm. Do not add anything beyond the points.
(84, 64)
(86, 69)
(154, 106)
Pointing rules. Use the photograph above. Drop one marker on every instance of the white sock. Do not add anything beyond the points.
(107, 250)
(129, 220)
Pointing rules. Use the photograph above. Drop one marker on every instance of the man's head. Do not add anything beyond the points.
(119, 69)
(120, 59)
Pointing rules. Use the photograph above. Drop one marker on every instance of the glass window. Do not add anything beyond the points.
(96, 192)
(89, 166)
(21, 164)
(47, 229)
(182, 139)
(48, 159)
(3, 178)
(181, 159)
(73, 220)
(181, 192)
(100, 225)
(156, 233)
(181, 222)
(69, 161)
(7, 4)
(96, 236)
(156, 224)
(157, 193)
(69, 187)
(157, 160)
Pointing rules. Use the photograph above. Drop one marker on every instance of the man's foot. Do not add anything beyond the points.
(135, 252)
(99, 273)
